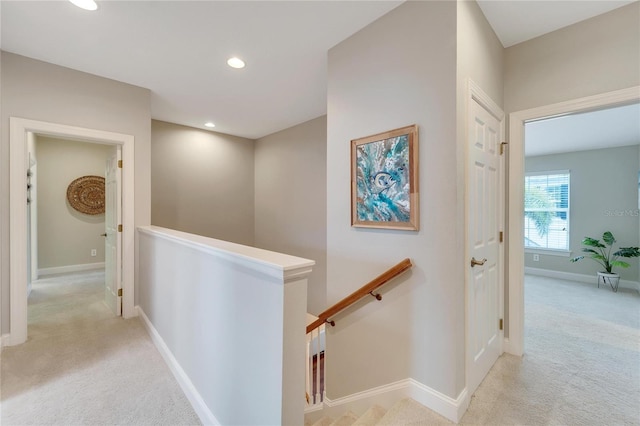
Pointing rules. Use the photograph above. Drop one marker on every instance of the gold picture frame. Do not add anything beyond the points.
(384, 180)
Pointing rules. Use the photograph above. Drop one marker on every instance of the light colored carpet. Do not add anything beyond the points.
(581, 364)
(83, 366)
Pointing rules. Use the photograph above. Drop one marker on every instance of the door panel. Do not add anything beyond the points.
(484, 200)
(113, 265)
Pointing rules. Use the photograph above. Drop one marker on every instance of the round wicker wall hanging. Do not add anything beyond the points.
(86, 194)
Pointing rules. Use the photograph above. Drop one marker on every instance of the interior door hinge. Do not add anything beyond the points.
(120, 293)
(502, 147)
(501, 324)
(119, 228)
(119, 164)
(501, 236)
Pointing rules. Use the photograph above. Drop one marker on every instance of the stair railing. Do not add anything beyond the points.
(315, 330)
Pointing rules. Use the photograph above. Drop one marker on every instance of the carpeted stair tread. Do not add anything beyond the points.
(325, 421)
(371, 417)
(347, 419)
(409, 412)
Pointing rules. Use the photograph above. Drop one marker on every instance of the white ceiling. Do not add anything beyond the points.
(515, 21)
(178, 49)
(607, 128)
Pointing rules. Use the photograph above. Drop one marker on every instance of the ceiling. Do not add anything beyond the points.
(606, 128)
(178, 49)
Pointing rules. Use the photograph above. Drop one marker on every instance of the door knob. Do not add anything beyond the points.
(103, 235)
(475, 262)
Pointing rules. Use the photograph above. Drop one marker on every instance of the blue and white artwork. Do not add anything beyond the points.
(383, 186)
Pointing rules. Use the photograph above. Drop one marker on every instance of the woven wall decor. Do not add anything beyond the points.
(86, 194)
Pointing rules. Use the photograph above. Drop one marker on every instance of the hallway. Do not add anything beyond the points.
(82, 365)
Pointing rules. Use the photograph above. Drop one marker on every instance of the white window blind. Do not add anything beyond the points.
(546, 210)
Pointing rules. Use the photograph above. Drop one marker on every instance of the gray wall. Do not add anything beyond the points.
(603, 197)
(41, 91)
(595, 56)
(202, 182)
(400, 70)
(66, 236)
(291, 199)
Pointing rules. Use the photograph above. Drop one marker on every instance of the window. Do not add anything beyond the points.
(546, 210)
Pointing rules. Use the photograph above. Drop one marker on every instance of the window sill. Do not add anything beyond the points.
(547, 252)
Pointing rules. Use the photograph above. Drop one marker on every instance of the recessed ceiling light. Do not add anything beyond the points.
(85, 4)
(209, 125)
(235, 62)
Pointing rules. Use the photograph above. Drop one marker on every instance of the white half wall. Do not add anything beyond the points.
(233, 318)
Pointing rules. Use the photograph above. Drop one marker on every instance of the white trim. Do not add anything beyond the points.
(582, 278)
(19, 128)
(70, 268)
(476, 93)
(387, 395)
(190, 391)
(275, 265)
(4, 338)
(516, 195)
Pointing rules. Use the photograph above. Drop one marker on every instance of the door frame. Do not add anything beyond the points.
(18, 131)
(514, 344)
(476, 94)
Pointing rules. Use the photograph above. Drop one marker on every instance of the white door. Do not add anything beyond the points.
(113, 240)
(484, 198)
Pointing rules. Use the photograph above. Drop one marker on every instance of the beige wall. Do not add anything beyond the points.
(291, 199)
(41, 91)
(398, 71)
(202, 182)
(595, 56)
(66, 236)
(606, 200)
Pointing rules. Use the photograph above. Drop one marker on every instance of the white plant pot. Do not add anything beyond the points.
(612, 279)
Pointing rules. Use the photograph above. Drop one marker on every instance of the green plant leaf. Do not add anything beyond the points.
(588, 250)
(628, 252)
(592, 242)
(603, 256)
(620, 263)
(608, 238)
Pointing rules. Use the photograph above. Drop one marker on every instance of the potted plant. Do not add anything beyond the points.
(602, 254)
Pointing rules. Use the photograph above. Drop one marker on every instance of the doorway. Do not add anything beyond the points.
(19, 131)
(514, 307)
(67, 210)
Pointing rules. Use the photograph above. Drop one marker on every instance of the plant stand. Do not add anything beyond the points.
(612, 279)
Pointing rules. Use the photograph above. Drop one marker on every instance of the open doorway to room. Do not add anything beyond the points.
(66, 230)
(581, 337)
(581, 180)
(122, 289)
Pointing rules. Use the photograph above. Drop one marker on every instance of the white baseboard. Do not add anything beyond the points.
(387, 395)
(70, 268)
(190, 391)
(4, 339)
(570, 276)
(510, 348)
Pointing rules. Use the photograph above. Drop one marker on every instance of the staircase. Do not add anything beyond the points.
(405, 412)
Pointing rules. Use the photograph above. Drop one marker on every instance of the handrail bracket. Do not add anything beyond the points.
(378, 296)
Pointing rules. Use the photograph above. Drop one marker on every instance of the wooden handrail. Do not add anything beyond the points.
(363, 291)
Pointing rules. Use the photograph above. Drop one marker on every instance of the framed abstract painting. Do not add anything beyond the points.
(384, 180)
